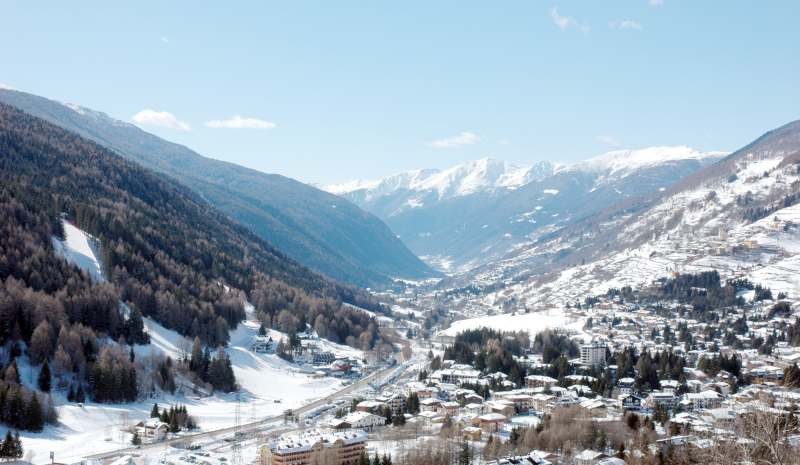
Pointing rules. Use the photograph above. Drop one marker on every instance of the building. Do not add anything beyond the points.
(593, 354)
(630, 402)
(588, 457)
(627, 386)
(152, 430)
(489, 422)
(358, 420)
(262, 344)
(665, 399)
(370, 406)
(534, 381)
(338, 448)
(704, 399)
(323, 357)
(395, 401)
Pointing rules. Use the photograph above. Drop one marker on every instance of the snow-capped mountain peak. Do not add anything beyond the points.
(467, 178)
(622, 162)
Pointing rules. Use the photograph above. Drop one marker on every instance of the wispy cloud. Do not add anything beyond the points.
(164, 39)
(655, 2)
(626, 24)
(611, 141)
(567, 22)
(162, 119)
(463, 138)
(6, 86)
(240, 122)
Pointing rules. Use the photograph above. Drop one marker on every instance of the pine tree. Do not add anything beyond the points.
(34, 419)
(7, 448)
(18, 451)
(44, 377)
(154, 412)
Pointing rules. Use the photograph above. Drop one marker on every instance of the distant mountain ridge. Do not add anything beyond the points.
(467, 178)
(477, 212)
(318, 229)
(739, 216)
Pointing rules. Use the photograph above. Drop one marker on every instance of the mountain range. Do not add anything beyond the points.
(322, 231)
(477, 212)
(738, 216)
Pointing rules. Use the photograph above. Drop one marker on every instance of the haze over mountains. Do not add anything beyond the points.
(319, 230)
(476, 212)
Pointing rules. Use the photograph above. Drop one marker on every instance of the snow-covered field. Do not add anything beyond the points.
(81, 249)
(533, 323)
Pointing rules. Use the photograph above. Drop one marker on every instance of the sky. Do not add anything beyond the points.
(332, 91)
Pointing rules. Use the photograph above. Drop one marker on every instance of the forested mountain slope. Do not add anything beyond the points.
(317, 229)
(168, 254)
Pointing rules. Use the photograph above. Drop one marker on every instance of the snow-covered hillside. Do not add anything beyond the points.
(739, 217)
(81, 249)
(269, 384)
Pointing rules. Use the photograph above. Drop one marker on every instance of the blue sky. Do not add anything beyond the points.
(331, 91)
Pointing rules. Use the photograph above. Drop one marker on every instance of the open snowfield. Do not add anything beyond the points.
(533, 323)
(81, 249)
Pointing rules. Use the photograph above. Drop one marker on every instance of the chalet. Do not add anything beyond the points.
(369, 406)
(430, 404)
(534, 381)
(502, 407)
(489, 422)
(588, 457)
(358, 420)
(472, 433)
(703, 400)
(261, 344)
(630, 402)
(449, 408)
(152, 430)
(395, 401)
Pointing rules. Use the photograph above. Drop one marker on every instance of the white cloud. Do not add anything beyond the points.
(626, 24)
(165, 39)
(609, 140)
(655, 2)
(463, 138)
(162, 119)
(504, 142)
(566, 22)
(240, 122)
(6, 86)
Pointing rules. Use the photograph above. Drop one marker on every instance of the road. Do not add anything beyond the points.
(385, 373)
